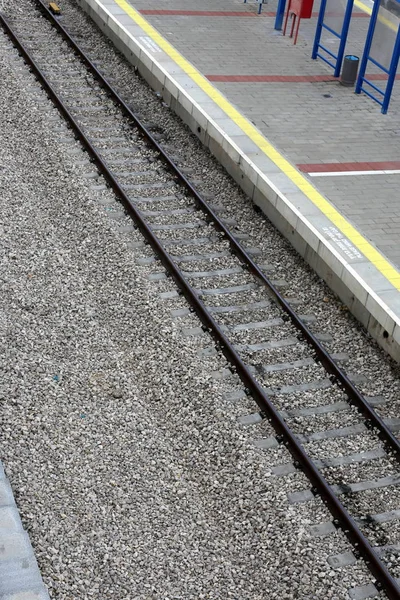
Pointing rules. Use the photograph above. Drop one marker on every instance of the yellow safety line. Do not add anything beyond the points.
(367, 9)
(364, 7)
(360, 242)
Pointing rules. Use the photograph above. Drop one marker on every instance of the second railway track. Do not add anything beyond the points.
(252, 324)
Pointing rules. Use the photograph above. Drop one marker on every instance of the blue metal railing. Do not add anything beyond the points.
(260, 3)
(384, 95)
(280, 12)
(341, 35)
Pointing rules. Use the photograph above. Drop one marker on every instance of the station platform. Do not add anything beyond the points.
(322, 162)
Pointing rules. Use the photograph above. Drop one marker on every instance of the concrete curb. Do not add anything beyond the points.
(372, 299)
(20, 578)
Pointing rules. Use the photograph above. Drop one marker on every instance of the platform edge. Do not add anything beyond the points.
(365, 303)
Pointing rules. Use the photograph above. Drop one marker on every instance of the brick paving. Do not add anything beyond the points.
(350, 166)
(295, 101)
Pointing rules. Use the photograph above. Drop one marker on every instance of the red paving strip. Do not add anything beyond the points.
(379, 77)
(219, 13)
(286, 78)
(389, 165)
(204, 13)
(270, 78)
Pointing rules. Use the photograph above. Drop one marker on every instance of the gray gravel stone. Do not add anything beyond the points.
(142, 483)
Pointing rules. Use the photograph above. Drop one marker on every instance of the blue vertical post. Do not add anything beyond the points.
(392, 74)
(343, 39)
(368, 44)
(280, 11)
(318, 32)
(260, 3)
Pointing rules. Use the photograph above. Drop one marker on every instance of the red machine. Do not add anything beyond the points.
(298, 9)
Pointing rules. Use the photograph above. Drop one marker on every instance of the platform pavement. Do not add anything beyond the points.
(309, 121)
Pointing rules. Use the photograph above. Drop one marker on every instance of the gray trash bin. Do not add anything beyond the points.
(349, 70)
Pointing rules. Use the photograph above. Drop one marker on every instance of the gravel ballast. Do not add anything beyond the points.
(132, 475)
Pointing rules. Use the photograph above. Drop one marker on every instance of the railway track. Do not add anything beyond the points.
(250, 321)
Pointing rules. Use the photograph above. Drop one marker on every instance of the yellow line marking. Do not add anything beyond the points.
(367, 9)
(363, 7)
(371, 253)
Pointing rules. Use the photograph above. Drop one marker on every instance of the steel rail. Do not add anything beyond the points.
(342, 519)
(321, 355)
